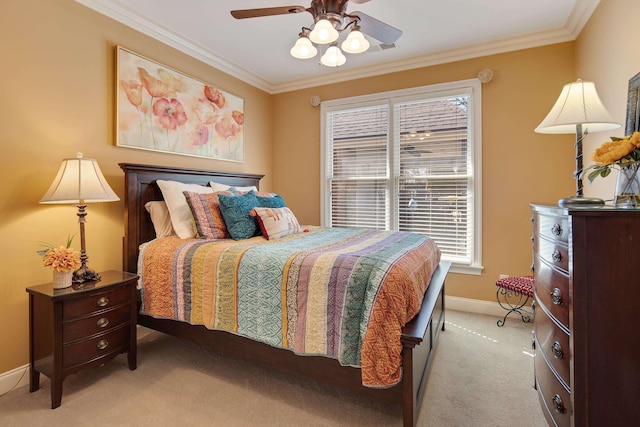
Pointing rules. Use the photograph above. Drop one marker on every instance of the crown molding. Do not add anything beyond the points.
(117, 11)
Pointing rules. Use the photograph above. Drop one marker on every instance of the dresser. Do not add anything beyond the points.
(80, 327)
(586, 267)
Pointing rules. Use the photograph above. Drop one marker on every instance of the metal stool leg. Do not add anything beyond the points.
(513, 302)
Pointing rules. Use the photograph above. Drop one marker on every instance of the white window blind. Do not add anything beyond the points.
(406, 163)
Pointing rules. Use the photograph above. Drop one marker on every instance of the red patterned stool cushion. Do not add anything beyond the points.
(520, 284)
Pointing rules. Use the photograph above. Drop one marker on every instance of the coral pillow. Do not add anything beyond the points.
(181, 217)
(236, 213)
(276, 222)
(205, 209)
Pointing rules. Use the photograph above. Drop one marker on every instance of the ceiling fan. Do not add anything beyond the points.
(330, 18)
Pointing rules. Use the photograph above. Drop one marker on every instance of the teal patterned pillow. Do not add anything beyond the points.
(236, 213)
(271, 202)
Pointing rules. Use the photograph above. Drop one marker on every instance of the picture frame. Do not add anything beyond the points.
(161, 109)
(633, 106)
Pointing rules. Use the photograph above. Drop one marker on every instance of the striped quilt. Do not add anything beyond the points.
(342, 293)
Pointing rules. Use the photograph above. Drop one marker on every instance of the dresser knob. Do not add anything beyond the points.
(556, 256)
(556, 348)
(556, 230)
(103, 301)
(556, 296)
(101, 323)
(102, 344)
(558, 405)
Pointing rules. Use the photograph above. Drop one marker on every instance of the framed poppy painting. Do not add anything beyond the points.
(161, 109)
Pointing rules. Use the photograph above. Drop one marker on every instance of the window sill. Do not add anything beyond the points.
(473, 270)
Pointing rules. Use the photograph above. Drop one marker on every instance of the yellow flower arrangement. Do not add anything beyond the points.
(620, 153)
(61, 258)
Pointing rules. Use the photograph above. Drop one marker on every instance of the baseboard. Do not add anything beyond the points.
(473, 306)
(13, 379)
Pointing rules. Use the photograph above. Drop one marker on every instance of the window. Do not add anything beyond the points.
(407, 160)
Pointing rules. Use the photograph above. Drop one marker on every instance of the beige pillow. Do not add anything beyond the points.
(225, 187)
(276, 222)
(160, 218)
(181, 217)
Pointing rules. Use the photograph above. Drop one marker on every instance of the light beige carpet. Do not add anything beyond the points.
(482, 375)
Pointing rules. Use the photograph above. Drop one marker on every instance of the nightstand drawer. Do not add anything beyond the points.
(81, 307)
(553, 345)
(86, 351)
(552, 290)
(103, 321)
(553, 396)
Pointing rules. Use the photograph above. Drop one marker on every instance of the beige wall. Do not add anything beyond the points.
(519, 166)
(57, 86)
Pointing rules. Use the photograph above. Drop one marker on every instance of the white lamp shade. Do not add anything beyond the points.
(333, 57)
(578, 104)
(79, 181)
(355, 42)
(323, 32)
(303, 49)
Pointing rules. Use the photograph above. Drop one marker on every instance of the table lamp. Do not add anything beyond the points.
(578, 110)
(80, 181)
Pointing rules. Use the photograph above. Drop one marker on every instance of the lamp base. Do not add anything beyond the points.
(580, 201)
(84, 274)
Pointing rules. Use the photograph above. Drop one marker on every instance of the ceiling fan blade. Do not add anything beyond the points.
(267, 11)
(377, 29)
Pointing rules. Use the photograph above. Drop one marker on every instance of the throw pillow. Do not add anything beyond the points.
(181, 218)
(276, 222)
(160, 218)
(275, 201)
(236, 213)
(205, 209)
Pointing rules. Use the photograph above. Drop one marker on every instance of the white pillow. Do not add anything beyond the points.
(181, 217)
(160, 218)
(224, 187)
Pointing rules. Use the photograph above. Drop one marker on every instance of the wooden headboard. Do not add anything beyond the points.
(140, 187)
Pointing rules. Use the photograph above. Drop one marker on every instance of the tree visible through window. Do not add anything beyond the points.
(407, 161)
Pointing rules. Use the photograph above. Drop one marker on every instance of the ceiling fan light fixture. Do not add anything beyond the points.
(355, 42)
(303, 49)
(333, 57)
(323, 32)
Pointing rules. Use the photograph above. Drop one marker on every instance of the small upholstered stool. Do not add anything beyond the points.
(513, 293)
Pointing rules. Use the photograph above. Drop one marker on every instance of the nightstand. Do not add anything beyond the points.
(83, 326)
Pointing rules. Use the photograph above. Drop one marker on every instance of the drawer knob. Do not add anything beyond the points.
(558, 404)
(556, 348)
(556, 296)
(556, 230)
(102, 322)
(556, 256)
(103, 301)
(102, 344)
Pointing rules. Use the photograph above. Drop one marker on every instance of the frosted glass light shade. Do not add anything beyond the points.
(355, 42)
(303, 49)
(323, 32)
(333, 57)
(79, 180)
(578, 104)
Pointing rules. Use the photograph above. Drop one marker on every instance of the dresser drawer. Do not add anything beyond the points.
(81, 352)
(555, 399)
(81, 307)
(552, 227)
(97, 323)
(552, 290)
(555, 253)
(552, 344)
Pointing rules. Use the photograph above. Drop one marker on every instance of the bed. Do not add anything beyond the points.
(418, 337)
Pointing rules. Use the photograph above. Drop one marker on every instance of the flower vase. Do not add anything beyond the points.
(628, 188)
(62, 279)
